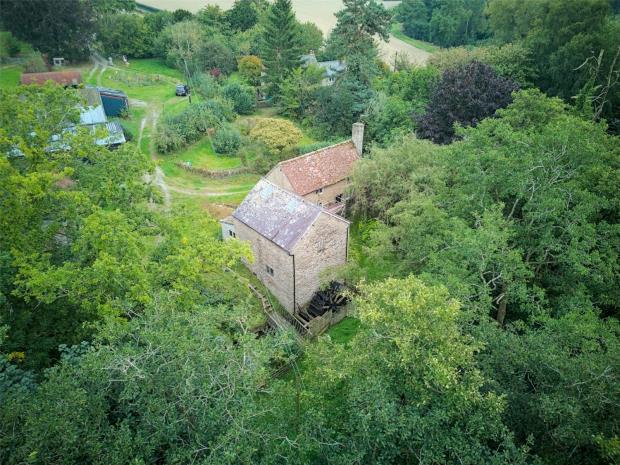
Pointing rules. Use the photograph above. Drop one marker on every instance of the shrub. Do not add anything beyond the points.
(217, 55)
(206, 86)
(242, 97)
(276, 134)
(169, 136)
(250, 67)
(221, 108)
(128, 133)
(35, 64)
(226, 139)
(9, 45)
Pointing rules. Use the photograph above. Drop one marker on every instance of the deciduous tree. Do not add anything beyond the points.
(464, 95)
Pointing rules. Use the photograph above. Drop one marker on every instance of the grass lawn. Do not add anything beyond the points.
(397, 31)
(154, 66)
(200, 155)
(9, 76)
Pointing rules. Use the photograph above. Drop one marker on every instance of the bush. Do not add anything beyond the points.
(250, 67)
(206, 86)
(128, 133)
(170, 136)
(242, 97)
(35, 64)
(276, 134)
(226, 139)
(174, 132)
(221, 108)
(9, 45)
(217, 55)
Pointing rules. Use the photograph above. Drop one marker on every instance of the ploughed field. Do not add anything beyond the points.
(320, 12)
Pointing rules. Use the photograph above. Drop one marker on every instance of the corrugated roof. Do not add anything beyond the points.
(277, 214)
(93, 115)
(66, 78)
(319, 169)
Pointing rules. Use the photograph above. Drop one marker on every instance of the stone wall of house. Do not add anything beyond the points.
(277, 177)
(266, 253)
(329, 194)
(228, 229)
(323, 246)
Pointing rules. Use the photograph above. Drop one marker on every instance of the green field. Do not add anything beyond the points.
(397, 31)
(9, 76)
(200, 155)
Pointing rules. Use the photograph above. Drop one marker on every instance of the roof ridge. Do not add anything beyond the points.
(313, 152)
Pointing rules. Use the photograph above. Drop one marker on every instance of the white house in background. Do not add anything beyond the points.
(331, 68)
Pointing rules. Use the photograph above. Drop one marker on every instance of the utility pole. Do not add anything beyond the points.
(188, 91)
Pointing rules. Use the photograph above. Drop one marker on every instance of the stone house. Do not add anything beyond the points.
(293, 241)
(321, 177)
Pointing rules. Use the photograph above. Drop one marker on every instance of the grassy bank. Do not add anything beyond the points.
(397, 31)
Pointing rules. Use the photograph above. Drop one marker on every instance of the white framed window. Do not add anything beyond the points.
(269, 270)
(320, 245)
(231, 233)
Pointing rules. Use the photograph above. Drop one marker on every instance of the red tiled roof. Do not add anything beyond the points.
(319, 169)
(66, 78)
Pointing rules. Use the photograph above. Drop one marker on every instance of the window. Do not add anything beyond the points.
(320, 245)
(231, 233)
(269, 269)
(339, 198)
(319, 191)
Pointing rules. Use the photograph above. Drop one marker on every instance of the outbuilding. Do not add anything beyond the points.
(115, 102)
(64, 78)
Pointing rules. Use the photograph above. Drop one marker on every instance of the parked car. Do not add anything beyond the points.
(182, 90)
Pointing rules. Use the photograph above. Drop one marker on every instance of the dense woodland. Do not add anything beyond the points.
(484, 271)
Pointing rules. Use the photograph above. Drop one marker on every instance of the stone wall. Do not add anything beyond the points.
(329, 194)
(228, 229)
(277, 177)
(323, 246)
(266, 253)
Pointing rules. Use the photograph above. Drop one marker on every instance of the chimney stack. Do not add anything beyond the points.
(357, 136)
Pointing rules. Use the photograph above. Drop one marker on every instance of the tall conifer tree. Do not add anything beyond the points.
(281, 44)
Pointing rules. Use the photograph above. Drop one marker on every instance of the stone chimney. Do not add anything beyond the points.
(358, 137)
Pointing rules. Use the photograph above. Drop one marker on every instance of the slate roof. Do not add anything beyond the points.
(319, 169)
(331, 68)
(66, 78)
(277, 214)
